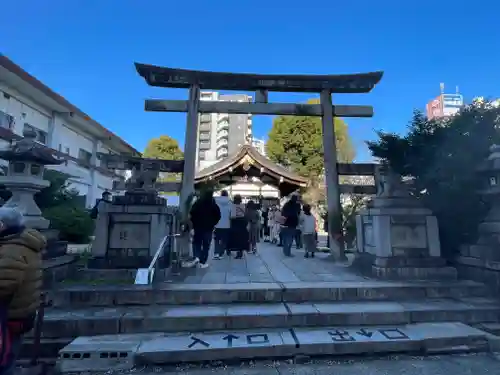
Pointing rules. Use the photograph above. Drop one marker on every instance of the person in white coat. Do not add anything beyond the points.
(223, 227)
(307, 224)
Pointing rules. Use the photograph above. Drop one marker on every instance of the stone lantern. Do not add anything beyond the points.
(27, 160)
(489, 173)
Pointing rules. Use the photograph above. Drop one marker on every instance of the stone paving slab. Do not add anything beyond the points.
(175, 294)
(270, 265)
(395, 364)
(97, 321)
(106, 353)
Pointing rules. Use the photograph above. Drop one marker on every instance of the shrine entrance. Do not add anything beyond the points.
(253, 171)
(261, 84)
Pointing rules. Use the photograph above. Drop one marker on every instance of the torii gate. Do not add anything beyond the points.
(324, 84)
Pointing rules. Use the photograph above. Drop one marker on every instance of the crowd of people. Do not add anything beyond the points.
(237, 228)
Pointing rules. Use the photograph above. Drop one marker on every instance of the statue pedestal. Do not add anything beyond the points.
(397, 239)
(129, 231)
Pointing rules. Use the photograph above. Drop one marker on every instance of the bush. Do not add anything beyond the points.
(58, 193)
(74, 223)
(442, 157)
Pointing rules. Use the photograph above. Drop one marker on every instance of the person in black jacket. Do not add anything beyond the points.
(105, 197)
(205, 214)
(291, 212)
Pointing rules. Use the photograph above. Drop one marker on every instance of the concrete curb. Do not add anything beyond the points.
(121, 352)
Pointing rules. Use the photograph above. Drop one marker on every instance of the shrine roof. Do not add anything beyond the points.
(183, 78)
(248, 154)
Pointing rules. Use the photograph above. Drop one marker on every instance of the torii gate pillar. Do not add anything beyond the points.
(332, 176)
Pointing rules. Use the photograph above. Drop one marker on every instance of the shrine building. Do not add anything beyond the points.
(251, 175)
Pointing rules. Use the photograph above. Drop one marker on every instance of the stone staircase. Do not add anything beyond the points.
(117, 327)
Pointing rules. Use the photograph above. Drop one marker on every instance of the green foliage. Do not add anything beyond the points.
(166, 148)
(63, 206)
(350, 210)
(296, 142)
(58, 192)
(74, 223)
(442, 157)
(163, 147)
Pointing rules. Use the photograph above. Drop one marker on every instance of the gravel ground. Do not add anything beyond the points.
(466, 364)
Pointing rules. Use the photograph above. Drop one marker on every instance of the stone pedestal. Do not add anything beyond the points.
(398, 239)
(23, 189)
(481, 261)
(129, 231)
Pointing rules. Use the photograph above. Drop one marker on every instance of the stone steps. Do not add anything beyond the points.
(197, 294)
(143, 319)
(117, 352)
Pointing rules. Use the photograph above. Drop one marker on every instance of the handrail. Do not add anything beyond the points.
(144, 276)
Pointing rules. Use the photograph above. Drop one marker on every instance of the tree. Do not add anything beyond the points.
(296, 142)
(442, 157)
(166, 148)
(163, 147)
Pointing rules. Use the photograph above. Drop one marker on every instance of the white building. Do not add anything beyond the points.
(221, 134)
(259, 145)
(27, 102)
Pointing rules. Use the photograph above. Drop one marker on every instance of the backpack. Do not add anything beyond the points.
(5, 340)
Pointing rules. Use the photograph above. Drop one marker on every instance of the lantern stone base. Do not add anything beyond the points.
(396, 239)
(128, 234)
(23, 190)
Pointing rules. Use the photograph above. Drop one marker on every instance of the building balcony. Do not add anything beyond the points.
(222, 143)
(223, 117)
(223, 127)
(222, 153)
(205, 127)
(205, 136)
(204, 145)
(223, 134)
(205, 118)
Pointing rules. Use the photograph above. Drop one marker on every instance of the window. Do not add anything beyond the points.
(41, 136)
(6, 121)
(84, 156)
(201, 155)
(66, 151)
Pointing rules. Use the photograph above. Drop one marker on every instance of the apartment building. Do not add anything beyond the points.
(259, 145)
(222, 134)
(25, 102)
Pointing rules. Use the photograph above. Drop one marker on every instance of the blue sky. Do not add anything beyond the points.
(85, 50)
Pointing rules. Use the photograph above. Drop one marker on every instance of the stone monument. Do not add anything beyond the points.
(481, 261)
(397, 238)
(27, 160)
(131, 227)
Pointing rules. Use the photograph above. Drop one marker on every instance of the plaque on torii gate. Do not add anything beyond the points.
(261, 84)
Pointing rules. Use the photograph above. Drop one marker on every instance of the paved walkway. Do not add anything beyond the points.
(270, 265)
(470, 364)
